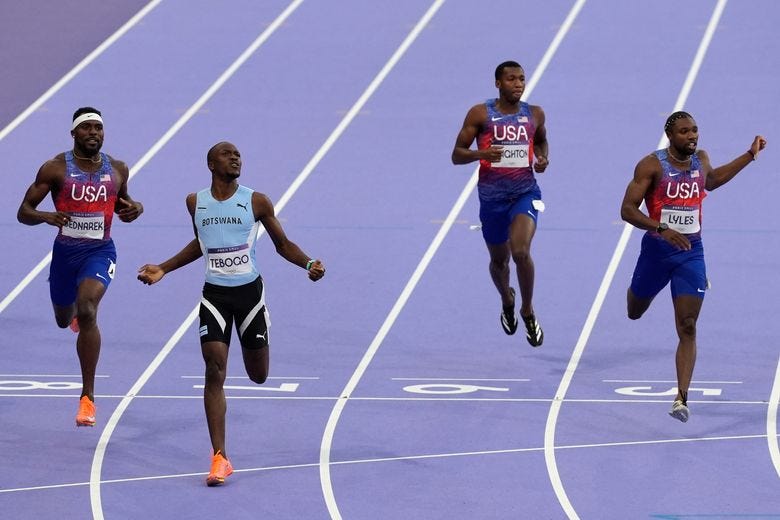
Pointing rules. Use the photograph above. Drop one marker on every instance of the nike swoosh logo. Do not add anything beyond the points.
(701, 290)
(100, 276)
(496, 118)
(674, 174)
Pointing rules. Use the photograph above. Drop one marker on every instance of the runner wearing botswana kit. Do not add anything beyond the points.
(226, 217)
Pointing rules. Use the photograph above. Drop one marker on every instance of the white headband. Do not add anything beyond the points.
(89, 116)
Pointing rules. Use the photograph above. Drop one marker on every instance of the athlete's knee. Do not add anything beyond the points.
(635, 310)
(499, 263)
(62, 322)
(86, 312)
(258, 377)
(256, 364)
(687, 327)
(521, 254)
(636, 307)
(635, 314)
(215, 371)
(87, 319)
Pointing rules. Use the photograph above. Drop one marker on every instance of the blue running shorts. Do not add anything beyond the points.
(71, 263)
(496, 216)
(661, 263)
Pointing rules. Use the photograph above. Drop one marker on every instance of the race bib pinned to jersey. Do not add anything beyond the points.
(684, 220)
(513, 156)
(227, 261)
(85, 225)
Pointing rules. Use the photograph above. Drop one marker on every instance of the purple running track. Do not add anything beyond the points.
(449, 417)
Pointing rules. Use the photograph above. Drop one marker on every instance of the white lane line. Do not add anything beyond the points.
(92, 56)
(334, 398)
(330, 427)
(451, 379)
(29, 277)
(47, 375)
(245, 377)
(327, 436)
(552, 417)
(670, 381)
(771, 421)
(395, 459)
(97, 461)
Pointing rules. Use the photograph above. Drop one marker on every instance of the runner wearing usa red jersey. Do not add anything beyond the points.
(511, 145)
(675, 203)
(87, 187)
(512, 175)
(89, 198)
(672, 183)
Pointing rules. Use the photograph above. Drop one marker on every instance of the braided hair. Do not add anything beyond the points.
(674, 117)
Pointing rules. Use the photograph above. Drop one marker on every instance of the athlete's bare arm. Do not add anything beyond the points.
(126, 208)
(49, 179)
(646, 174)
(541, 148)
(717, 177)
(153, 273)
(474, 122)
(264, 212)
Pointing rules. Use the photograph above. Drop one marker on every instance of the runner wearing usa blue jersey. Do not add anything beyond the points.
(672, 183)
(511, 145)
(87, 188)
(226, 218)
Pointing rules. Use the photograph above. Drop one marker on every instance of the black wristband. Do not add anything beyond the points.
(752, 155)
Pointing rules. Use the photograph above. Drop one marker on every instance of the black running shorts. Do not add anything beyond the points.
(244, 304)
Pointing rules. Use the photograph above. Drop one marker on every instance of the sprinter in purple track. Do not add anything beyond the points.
(87, 187)
(225, 218)
(673, 183)
(511, 146)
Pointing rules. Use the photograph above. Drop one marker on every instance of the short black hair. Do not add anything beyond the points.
(506, 65)
(85, 110)
(674, 117)
(212, 150)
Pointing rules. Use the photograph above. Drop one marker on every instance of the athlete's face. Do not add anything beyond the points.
(88, 137)
(511, 85)
(226, 160)
(684, 136)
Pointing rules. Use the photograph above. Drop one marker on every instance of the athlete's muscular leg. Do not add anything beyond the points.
(256, 363)
(499, 271)
(636, 306)
(63, 315)
(686, 312)
(90, 293)
(215, 355)
(521, 232)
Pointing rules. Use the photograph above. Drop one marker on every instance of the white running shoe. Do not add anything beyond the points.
(680, 411)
